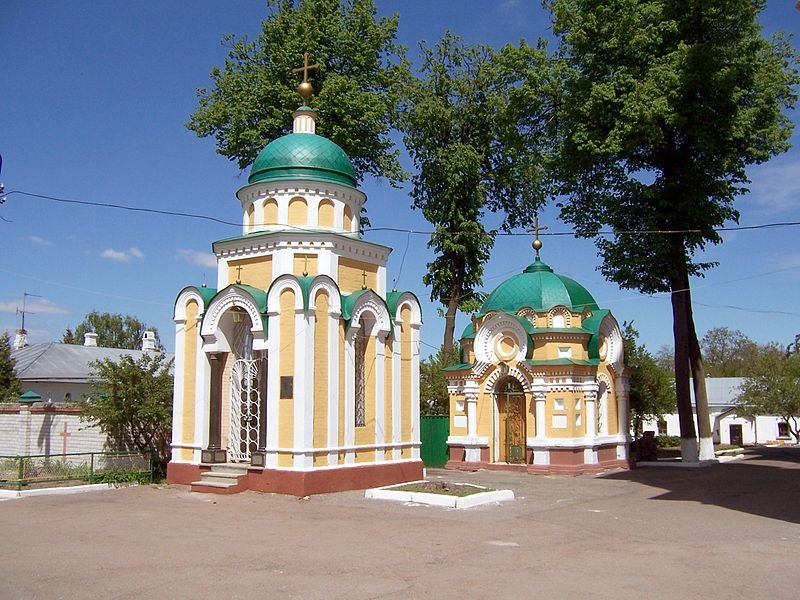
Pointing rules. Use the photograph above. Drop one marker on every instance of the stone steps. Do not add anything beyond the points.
(222, 479)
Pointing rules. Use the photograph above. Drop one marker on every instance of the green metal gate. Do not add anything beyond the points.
(433, 431)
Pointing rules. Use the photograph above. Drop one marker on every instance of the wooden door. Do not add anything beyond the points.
(737, 439)
(511, 430)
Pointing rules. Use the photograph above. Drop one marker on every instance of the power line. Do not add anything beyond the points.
(181, 214)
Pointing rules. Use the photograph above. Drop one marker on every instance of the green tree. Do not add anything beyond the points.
(665, 104)
(113, 331)
(10, 388)
(727, 352)
(773, 388)
(469, 126)
(433, 396)
(255, 92)
(132, 404)
(652, 393)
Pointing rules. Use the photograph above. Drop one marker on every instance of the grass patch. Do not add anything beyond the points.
(442, 487)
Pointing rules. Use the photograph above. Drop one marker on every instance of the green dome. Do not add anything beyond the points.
(303, 156)
(537, 287)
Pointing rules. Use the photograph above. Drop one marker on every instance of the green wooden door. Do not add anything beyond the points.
(433, 431)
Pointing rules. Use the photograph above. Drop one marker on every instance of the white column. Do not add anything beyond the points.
(589, 400)
(273, 389)
(178, 387)
(415, 390)
(349, 394)
(539, 396)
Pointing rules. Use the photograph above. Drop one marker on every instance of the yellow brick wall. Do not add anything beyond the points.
(189, 371)
(305, 263)
(348, 219)
(351, 275)
(405, 378)
(321, 330)
(256, 271)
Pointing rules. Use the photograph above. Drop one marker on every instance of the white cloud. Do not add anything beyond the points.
(202, 259)
(37, 240)
(122, 255)
(38, 306)
(776, 185)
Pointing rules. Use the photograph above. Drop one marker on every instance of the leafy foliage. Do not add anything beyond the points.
(113, 331)
(10, 388)
(255, 92)
(773, 388)
(132, 404)
(474, 148)
(665, 104)
(728, 353)
(652, 393)
(433, 396)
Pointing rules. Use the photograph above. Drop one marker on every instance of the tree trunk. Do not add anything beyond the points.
(680, 332)
(450, 318)
(699, 383)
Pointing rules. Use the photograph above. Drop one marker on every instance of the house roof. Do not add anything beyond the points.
(64, 362)
(722, 391)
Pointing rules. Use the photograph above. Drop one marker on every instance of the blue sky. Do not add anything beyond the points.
(94, 100)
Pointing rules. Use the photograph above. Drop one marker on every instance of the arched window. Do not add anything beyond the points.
(298, 211)
(360, 345)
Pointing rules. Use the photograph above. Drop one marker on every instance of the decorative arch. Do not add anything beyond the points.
(274, 293)
(325, 283)
(370, 303)
(249, 217)
(186, 295)
(502, 371)
(528, 314)
(611, 338)
(500, 338)
(232, 297)
(559, 317)
(409, 300)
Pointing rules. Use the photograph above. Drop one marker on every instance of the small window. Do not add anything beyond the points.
(783, 429)
(558, 404)
(287, 386)
(564, 352)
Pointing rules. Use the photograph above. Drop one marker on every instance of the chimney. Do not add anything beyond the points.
(149, 342)
(21, 340)
(90, 339)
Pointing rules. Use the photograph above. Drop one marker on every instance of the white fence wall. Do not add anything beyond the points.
(52, 431)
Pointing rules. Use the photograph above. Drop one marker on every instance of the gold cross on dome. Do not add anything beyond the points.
(305, 68)
(537, 243)
(364, 277)
(239, 274)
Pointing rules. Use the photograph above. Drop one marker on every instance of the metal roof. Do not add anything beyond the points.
(64, 362)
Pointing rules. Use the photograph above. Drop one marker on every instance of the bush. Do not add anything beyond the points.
(122, 476)
(668, 441)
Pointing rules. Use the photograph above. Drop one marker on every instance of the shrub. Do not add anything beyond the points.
(668, 441)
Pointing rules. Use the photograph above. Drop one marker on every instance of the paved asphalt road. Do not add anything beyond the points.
(727, 531)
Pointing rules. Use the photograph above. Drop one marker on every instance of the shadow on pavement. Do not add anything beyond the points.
(765, 483)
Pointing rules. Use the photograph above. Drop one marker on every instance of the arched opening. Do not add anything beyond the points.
(298, 212)
(325, 213)
(270, 211)
(362, 365)
(511, 434)
(247, 384)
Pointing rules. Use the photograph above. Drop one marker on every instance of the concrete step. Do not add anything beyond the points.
(222, 479)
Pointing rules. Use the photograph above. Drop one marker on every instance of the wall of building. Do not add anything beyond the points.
(761, 430)
(50, 431)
